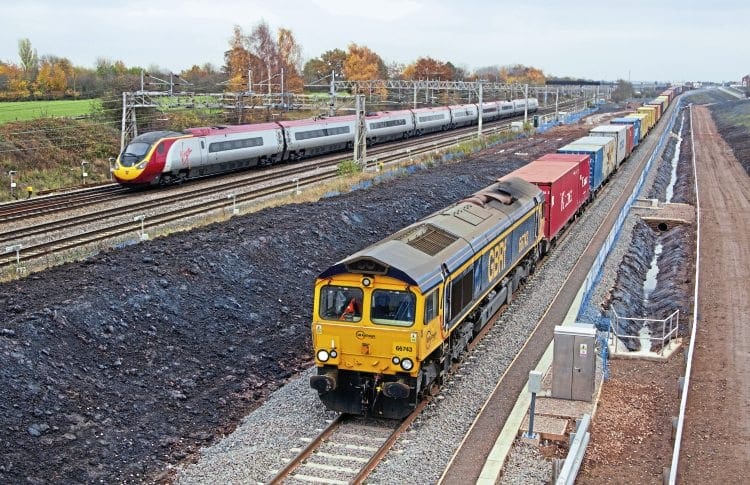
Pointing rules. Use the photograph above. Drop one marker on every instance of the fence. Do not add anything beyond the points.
(668, 329)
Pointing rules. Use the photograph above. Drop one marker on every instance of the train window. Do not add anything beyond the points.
(392, 307)
(160, 148)
(431, 306)
(441, 116)
(222, 146)
(133, 153)
(385, 124)
(340, 303)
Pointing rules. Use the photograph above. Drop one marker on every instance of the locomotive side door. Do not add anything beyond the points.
(190, 154)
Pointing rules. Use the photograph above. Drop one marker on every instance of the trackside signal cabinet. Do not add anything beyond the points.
(574, 362)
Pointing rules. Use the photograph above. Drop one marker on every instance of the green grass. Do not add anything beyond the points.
(29, 110)
(737, 114)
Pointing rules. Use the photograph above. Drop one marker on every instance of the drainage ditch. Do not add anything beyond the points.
(655, 275)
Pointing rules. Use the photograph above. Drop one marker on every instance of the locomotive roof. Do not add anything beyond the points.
(317, 121)
(447, 238)
(227, 129)
(427, 110)
(153, 136)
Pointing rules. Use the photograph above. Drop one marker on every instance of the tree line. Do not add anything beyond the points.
(257, 61)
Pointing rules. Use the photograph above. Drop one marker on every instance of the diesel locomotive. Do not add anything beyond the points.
(389, 320)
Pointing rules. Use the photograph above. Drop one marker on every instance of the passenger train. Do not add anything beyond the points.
(389, 320)
(166, 157)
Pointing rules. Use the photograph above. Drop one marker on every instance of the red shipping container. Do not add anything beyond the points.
(629, 140)
(584, 172)
(561, 183)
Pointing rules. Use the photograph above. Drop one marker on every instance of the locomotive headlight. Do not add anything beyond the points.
(141, 165)
(334, 354)
(407, 364)
(395, 360)
(323, 355)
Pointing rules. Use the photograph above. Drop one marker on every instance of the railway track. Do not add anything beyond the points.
(26, 238)
(350, 448)
(345, 452)
(59, 202)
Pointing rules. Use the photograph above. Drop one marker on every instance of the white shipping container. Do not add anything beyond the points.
(610, 152)
(619, 133)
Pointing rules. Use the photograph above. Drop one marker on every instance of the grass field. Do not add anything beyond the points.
(738, 114)
(29, 110)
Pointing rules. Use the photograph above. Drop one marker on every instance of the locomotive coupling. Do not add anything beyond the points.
(323, 383)
(396, 390)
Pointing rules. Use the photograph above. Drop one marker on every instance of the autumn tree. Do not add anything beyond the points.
(239, 62)
(261, 44)
(51, 80)
(395, 70)
(428, 68)
(202, 78)
(265, 56)
(518, 73)
(362, 64)
(457, 73)
(13, 84)
(290, 58)
(315, 70)
(106, 67)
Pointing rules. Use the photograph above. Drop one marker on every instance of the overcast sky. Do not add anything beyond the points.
(667, 40)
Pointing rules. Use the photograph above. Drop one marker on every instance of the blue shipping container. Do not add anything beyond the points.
(596, 167)
(636, 127)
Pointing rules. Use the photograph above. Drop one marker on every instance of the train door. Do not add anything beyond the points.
(190, 152)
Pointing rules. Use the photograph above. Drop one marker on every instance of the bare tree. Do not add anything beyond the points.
(261, 43)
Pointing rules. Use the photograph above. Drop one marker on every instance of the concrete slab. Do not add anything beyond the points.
(547, 427)
(621, 352)
(562, 408)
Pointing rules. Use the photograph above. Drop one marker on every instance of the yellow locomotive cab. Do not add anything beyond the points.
(367, 328)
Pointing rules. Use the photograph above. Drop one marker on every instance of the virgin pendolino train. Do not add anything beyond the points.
(166, 157)
(389, 321)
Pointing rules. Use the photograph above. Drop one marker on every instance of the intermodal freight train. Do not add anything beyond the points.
(166, 157)
(389, 321)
